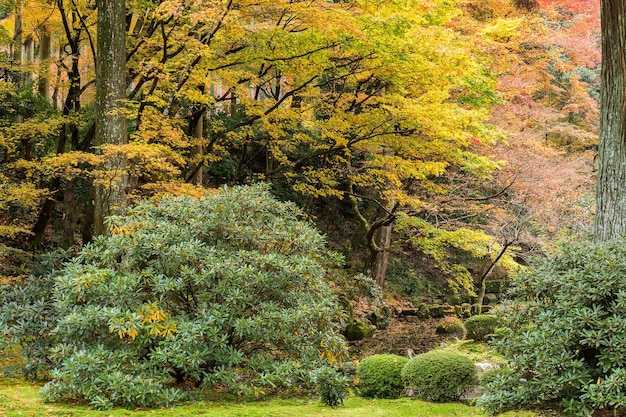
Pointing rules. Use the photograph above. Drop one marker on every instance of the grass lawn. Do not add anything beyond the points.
(19, 398)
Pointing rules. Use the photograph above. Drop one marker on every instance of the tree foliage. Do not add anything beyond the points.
(377, 111)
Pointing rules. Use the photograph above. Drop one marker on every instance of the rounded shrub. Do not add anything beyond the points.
(380, 376)
(357, 331)
(479, 327)
(563, 332)
(439, 376)
(229, 290)
(451, 325)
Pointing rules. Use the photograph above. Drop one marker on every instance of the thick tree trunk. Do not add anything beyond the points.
(70, 215)
(610, 220)
(110, 122)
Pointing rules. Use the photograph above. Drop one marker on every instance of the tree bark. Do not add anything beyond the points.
(110, 122)
(18, 34)
(610, 219)
(198, 153)
(380, 260)
(43, 84)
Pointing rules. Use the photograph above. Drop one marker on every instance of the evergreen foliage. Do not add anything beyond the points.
(227, 290)
(479, 327)
(563, 332)
(380, 376)
(439, 376)
(332, 385)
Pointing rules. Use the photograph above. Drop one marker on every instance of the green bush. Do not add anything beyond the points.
(478, 327)
(439, 376)
(332, 385)
(451, 325)
(27, 314)
(563, 332)
(357, 331)
(488, 377)
(380, 376)
(227, 290)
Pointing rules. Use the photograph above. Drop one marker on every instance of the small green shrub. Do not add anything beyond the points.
(380, 376)
(451, 325)
(332, 385)
(478, 327)
(357, 331)
(439, 376)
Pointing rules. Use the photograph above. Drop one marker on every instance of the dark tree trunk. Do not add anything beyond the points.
(43, 84)
(110, 122)
(380, 260)
(610, 220)
(71, 104)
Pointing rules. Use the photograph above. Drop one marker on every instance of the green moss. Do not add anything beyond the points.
(18, 398)
(357, 331)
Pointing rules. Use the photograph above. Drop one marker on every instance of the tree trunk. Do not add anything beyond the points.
(18, 34)
(486, 273)
(43, 84)
(381, 257)
(71, 104)
(610, 220)
(70, 215)
(198, 154)
(110, 122)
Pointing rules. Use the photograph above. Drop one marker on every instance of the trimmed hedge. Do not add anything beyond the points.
(439, 376)
(380, 376)
(478, 327)
(451, 325)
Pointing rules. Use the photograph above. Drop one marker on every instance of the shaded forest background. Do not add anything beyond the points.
(435, 143)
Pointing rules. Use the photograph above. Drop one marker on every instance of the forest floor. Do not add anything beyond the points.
(401, 335)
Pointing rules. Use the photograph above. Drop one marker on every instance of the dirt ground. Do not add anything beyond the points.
(401, 335)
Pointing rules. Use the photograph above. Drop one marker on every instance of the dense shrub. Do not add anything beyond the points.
(451, 325)
(439, 376)
(27, 314)
(479, 327)
(380, 376)
(227, 290)
(564, 332)
(332, 385)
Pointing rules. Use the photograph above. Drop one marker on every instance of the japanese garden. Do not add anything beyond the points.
(312, 208)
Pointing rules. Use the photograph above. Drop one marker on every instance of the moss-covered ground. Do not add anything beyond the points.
(20, 398)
